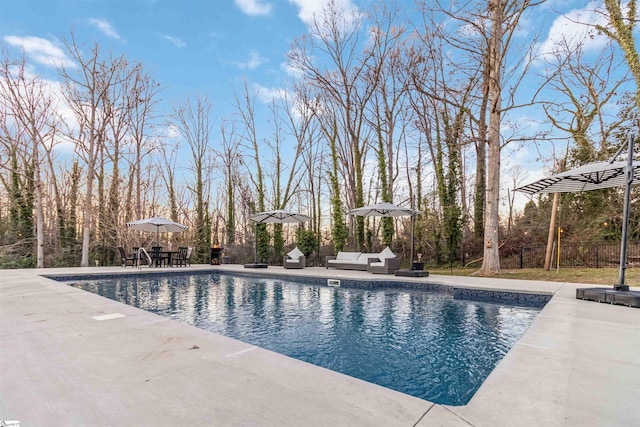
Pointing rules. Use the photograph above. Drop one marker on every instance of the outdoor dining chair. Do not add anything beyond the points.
(156, 256)
(126, 260)
(189, 251)
(181, 257)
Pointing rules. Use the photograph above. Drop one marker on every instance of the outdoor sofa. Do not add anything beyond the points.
(384, 262)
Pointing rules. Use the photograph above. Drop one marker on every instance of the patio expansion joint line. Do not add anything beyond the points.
(43, 329)
(110, 316)
(240, 352)
(533, 345)
(424, 415)
(456, 415)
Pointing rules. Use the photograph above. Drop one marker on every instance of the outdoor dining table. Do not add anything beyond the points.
(168, 255)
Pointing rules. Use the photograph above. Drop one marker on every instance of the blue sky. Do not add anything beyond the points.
(189, 45)
(209, 46)
(212, 46)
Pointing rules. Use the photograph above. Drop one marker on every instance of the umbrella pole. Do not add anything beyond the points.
(255, 257)
(625, 220)
(413, 222)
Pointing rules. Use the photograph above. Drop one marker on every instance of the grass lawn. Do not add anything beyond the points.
(598, 276)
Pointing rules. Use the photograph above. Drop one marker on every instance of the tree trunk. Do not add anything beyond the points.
(491, 260)
(552, 229)
(623, 34)
(38, 208)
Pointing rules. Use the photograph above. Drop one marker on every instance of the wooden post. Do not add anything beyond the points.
(552, 229)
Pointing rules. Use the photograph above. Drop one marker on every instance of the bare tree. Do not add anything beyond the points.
(86, 88)
(622, 32)
(193, 121)
(583, 89)
(346, 89)
(305, 129)
(230, 156)
(28, 104)
(389, 114)
(144, 103)
(504, 16)
(245, 108)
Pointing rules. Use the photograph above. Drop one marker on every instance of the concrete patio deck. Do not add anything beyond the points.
(72, 358)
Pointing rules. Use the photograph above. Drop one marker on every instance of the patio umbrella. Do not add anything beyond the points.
(592, 176)
(276, 217)
(279, 217)
(595, 176)
(387, 210)
(156, 224)
(382, 209)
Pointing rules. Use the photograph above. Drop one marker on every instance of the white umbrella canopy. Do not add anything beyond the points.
(156, 224)
(276, 217)
(592, 176)
(387, 210)
(382, 209)
(279, 217)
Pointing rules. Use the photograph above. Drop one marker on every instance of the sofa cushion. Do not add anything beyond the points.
(295, 254)
(387, 253)
(377, 264)
(365, 257)
(347, 256)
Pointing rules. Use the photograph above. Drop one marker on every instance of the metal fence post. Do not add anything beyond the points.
(521, 256)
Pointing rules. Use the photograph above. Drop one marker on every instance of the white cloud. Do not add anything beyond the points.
(105, 27)
(254, 61)
(254, 7)
(572, 29)
(291, 71)
(41, 51)
(177, 41)
(170, 131)
(267, 94)
(309, 8)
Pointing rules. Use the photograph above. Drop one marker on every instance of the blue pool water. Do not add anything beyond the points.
(425, 344)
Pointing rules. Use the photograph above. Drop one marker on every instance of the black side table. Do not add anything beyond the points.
(417, 265)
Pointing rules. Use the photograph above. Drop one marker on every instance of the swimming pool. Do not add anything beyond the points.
(422, 343)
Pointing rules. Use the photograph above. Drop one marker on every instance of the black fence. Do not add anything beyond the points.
(571, 255)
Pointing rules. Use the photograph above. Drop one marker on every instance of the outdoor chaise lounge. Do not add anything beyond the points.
(294, 259)
(362, 261)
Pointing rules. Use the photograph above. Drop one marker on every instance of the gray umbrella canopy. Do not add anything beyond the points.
(156, 224)
(279, 217)
(593, 176)
(382, 209)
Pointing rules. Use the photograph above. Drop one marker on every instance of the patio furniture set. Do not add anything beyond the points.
(156, 258)
(384, 262)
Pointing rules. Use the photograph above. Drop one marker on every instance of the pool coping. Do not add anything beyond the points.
(578, 364)
(529, 298)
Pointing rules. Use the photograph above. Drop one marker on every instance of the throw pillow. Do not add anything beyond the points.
(295, 253)
(387, 253)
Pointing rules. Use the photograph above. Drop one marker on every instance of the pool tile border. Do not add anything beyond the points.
(524, 299)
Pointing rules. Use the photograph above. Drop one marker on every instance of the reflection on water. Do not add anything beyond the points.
(421, 343)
